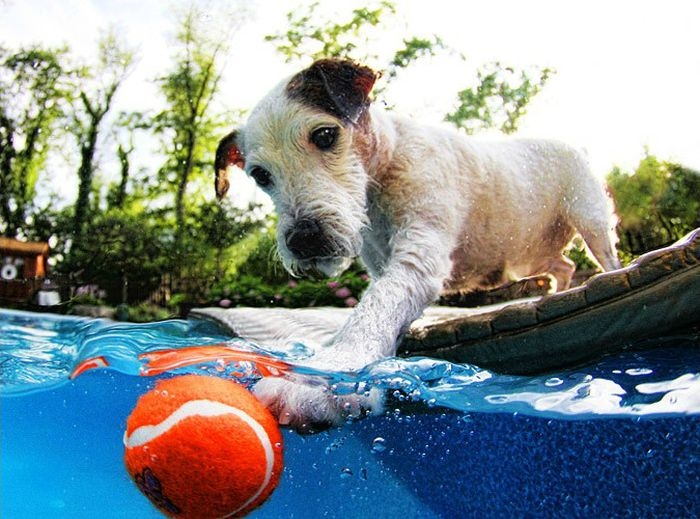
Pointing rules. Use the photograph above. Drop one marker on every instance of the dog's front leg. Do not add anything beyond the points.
(411, 279)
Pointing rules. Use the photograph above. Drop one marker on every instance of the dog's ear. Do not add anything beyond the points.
(227, 154)
(338, 87)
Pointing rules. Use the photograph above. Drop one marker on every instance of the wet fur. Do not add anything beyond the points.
(425, 207)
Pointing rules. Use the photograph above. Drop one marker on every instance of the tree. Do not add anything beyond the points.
(96, 88)
(186, 124)
(124, 134)
(33, 91)
(498, 99)
(124, 253)
(657, 204)
(222, 225)
(312, 36)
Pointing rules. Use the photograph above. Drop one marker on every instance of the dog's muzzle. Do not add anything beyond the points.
(306, 240)
(309, 246)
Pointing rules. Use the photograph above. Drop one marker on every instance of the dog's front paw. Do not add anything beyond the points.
(310, 409)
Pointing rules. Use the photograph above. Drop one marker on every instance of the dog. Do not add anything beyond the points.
(426, 209)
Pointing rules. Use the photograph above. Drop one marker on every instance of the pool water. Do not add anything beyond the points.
(617, 438)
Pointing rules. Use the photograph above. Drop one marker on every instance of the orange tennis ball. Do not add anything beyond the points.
(200, 446)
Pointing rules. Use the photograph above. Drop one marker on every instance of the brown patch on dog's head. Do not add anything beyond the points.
(338, 87)
(227, 154)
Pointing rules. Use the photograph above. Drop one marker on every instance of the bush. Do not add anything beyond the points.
(657, 204)
(578, 254)
(250, 290)
(147, 312)
(263, 262)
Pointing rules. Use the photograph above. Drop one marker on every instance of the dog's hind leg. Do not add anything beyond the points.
(601, 242)
(592, 213)
(594, 218)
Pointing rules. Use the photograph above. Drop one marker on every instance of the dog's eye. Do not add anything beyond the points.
(324, 138)
(262, 177)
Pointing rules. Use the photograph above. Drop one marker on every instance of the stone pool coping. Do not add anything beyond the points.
(656, 295)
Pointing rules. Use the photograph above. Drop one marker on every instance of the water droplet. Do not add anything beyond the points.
(554, 381)
(634, 372)
(346, 472)
(378, 444)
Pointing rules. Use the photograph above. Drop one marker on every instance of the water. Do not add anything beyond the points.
(617, 438)
(37, 353)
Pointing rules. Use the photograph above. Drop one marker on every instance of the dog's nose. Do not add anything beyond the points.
(305, 240)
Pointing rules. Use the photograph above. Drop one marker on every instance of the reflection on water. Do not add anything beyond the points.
(39, 352)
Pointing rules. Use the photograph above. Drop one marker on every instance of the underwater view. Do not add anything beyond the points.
(616, 438)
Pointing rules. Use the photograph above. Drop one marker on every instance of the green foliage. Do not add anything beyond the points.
(498, 100)
(578, 254)
(311, 36)
(263, 262)
(33, 100)
(145, 313)
(247, 290)
(657, 204)
(414, 49)
(188, 129)
(213, 230)
(124, 253)
(96, 87)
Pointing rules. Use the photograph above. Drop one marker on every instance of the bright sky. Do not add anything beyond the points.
(628, 71)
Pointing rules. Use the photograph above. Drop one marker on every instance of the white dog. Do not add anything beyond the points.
(426, 208)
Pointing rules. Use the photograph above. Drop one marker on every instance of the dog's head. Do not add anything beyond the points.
(300, 145)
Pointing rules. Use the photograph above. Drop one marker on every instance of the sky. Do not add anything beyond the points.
(627, 71)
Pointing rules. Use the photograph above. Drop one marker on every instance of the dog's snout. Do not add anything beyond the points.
(305, 240)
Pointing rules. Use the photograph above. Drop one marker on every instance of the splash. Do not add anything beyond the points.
(38, 354)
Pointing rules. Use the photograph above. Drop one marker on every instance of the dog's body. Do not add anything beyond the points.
(426, 208)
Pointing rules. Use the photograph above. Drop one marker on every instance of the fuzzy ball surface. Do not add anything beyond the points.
(201, 446)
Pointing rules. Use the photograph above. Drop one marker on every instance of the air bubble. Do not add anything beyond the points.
(378, 444)
(639, 371)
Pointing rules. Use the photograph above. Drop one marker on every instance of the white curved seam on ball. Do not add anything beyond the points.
(146, 433)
